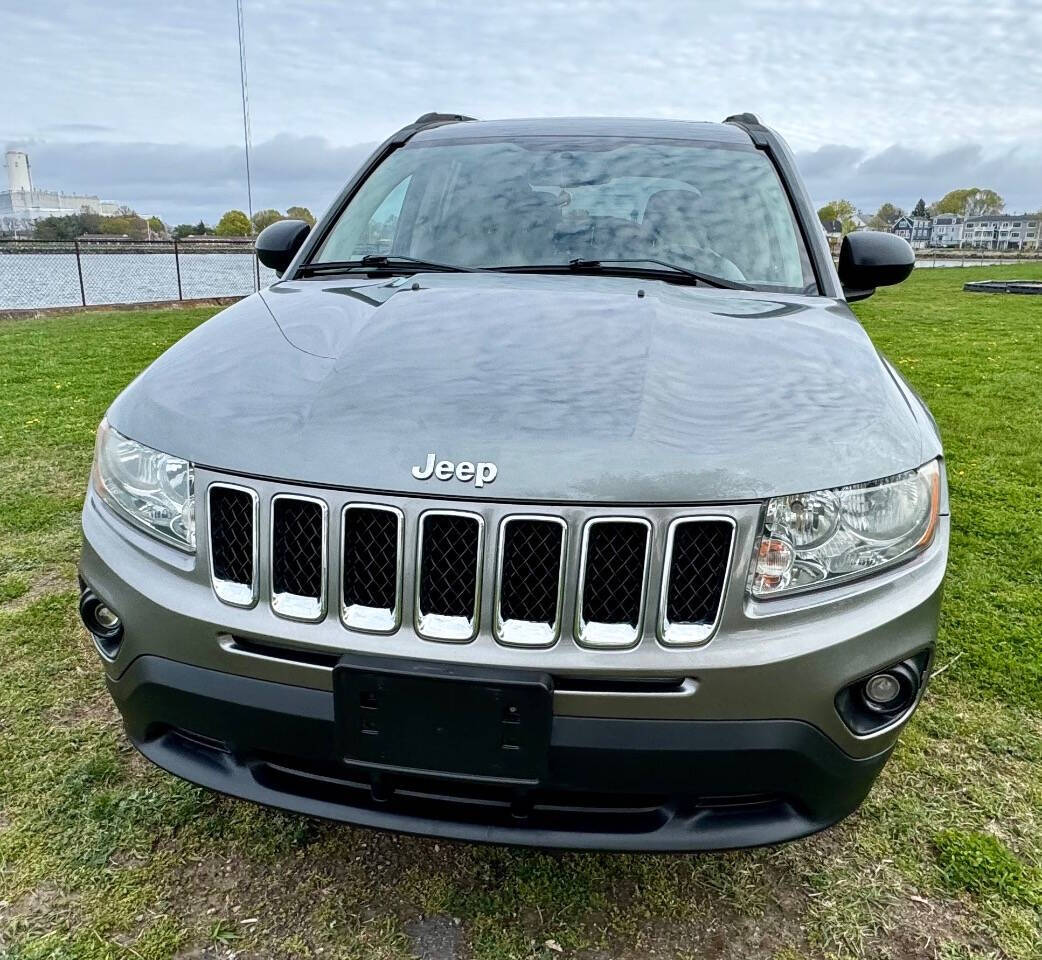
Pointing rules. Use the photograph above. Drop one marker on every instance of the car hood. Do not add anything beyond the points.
(578, 388)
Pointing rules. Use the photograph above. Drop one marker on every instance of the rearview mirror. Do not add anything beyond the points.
(278, 243)
(869, 259)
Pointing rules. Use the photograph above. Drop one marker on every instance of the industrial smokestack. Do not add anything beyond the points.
(18, 176)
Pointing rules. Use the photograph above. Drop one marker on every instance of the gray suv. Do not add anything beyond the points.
(552, 496)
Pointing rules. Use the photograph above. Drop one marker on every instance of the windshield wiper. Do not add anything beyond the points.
(579, 265)
(708, 279)
(374, 261)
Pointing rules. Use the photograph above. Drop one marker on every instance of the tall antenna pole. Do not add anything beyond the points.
(246, 122)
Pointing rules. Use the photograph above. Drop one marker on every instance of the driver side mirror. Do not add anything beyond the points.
(278, 243)
(869, 259)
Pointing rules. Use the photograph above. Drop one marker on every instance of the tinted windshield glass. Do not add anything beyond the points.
(716, 209)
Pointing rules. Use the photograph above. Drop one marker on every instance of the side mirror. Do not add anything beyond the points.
(278, 243)
(869, 259)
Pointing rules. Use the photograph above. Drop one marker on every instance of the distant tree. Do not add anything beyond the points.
(59, 228)
(77, 224)
(265, 218)
(885, 217)
(234, 223)
(129, 225)
(157, 226)
(300, 213)
(969, 202)
(919, 210)
(841, 210)
(183, 230)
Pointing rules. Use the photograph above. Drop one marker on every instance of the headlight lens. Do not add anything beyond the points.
(149, 488)
(815, 539)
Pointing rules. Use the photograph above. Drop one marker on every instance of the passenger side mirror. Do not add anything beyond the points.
(278, 243)
(869, 259)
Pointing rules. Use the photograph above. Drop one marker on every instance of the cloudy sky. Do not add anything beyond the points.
(887, 100)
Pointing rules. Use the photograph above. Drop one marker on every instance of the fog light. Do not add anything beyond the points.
(108, 620)
(104, 624)
(883, 688)
(883, 698)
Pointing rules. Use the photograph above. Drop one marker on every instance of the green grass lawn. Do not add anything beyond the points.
(103, 856)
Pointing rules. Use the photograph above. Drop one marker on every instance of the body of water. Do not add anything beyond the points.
(969, 261)
(30, 280)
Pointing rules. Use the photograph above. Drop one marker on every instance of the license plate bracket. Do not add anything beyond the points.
(466, 722)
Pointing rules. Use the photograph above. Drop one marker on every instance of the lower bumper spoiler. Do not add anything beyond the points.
(613, 784)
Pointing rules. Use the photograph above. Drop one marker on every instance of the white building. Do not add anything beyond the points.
(1007, 231)
(946, 230)
(21, 203)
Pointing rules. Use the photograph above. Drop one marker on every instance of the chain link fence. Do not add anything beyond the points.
(36, 274)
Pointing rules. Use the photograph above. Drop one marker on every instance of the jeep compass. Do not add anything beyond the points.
(551, 496)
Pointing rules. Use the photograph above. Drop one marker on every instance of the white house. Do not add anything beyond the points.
(946, 230)
(1007, 231)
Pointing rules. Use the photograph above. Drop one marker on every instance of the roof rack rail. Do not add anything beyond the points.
(427, 119)
(749, 118)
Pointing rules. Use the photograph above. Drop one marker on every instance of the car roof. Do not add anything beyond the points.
(586, 127)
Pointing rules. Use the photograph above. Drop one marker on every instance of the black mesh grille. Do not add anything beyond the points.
(614, 573)
(531, 571)
(371, 558)
(696, 575)
(449, 570)
(296, 554)
(231, 534)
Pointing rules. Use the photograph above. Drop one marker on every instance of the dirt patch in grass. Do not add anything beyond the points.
(49, 581)
(436, 938)
(914, 927)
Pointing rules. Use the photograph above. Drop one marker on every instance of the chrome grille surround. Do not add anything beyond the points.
(449, 628)
(234, 592)
(295, 606)
(590, 633)
(357, 616)
(695, 634)
(528, 633)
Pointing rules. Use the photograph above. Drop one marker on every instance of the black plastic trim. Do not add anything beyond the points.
(771, 144)
(611, 784)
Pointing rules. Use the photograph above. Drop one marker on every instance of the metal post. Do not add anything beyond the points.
(79, 271)
(177, 267)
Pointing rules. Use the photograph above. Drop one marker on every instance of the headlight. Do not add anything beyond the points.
(816, 539)
(149, 488)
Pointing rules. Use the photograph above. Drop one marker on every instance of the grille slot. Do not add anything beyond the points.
(371, 568)
(448, 586)
(698, 553)
(232, 522)
(613, 581)
(529, 580)
(298, 557)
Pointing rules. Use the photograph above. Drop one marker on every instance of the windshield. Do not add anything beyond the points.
(538, 201)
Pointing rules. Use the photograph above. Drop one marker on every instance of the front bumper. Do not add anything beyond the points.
(612, 784)
(746, 748)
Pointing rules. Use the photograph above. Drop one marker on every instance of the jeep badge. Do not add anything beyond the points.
(481, 472)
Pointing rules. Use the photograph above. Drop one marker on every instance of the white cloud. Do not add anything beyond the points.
(868, 75)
